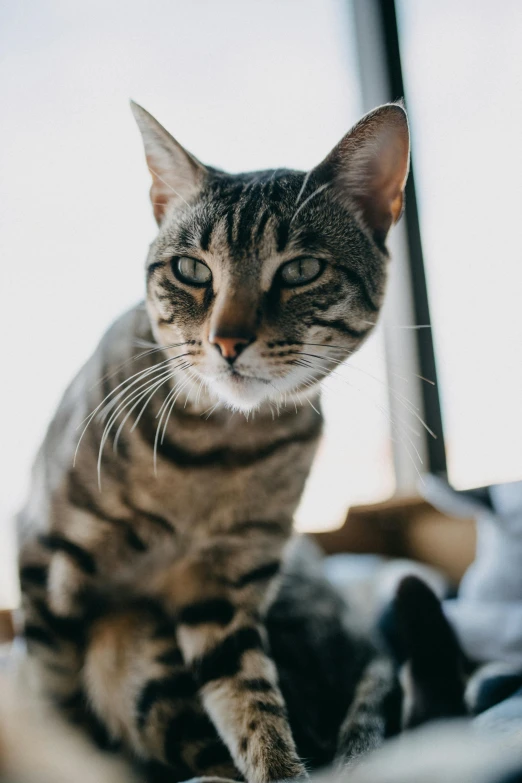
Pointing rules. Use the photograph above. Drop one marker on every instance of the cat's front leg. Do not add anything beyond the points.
(223, 640)
(238, 685)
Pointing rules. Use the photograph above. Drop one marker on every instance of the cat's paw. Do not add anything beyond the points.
(279, 769)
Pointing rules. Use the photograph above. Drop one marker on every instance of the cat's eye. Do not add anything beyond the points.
(191, 271)
(300, 271)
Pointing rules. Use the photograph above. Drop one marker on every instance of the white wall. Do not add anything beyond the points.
(463, 68)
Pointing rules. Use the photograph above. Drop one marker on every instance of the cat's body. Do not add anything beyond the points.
(207, 506)
(148, 562)
(204, 478)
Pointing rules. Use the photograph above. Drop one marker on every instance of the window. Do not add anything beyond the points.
(463, 80)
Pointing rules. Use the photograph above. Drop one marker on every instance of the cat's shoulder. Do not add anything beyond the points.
(127, 335)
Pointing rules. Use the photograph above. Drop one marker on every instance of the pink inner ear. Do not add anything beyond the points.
(396, 206)
(386, 177)
(371, 167)
(176, 174)
(158, 197)
(376, 215)
(159, 203)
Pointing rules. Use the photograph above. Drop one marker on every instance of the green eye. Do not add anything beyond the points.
(191, 271)
(301, 271)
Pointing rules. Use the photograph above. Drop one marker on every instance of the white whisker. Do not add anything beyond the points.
(104, 407)
(392, 423)
(400, 326)
(168, 185)
(307, 199)
(176, 391)
(303, 187)
(155, 385)
(151, 348)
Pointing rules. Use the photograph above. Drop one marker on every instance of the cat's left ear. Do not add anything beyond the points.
(369, 167)
(177, 176)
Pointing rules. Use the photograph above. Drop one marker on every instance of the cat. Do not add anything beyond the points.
(147, 566)
(340, 686)
(342, 694)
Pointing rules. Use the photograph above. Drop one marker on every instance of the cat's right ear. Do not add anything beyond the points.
(177, 176)
(367, 170)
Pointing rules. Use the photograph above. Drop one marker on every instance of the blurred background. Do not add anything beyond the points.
(258, 84)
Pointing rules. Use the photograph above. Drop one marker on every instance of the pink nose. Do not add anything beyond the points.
(229, 347)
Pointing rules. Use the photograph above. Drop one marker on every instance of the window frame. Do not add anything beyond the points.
(381, 78)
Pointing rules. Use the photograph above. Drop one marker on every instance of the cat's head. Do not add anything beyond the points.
(263, 282)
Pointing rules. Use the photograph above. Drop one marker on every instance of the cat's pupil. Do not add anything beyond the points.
(301, 271)
(191, 271)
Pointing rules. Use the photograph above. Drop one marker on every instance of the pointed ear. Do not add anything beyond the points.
(369, 167)
(176, 174)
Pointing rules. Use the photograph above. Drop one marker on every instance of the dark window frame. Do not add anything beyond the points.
(378, 39)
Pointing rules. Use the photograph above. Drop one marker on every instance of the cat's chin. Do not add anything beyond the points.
(240, 392)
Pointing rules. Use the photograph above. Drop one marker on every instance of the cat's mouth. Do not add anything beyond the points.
(240, 389)
(241, 377)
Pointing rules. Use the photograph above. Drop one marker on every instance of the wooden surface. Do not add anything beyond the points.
(406, 528)
(6, 626)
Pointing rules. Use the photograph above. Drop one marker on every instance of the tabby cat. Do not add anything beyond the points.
(341, 691)
(148, 563)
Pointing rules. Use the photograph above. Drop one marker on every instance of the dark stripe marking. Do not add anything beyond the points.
(216, 752)
(133, 539)
(271, 709)
(274, 740)
(231, 214)
(152, 268)
(67, 628)
(257, 685)
(277, 191)
(283, 230)
(228, 459)
(187, 725)
(154, 519)
(260, 230)
(206, 236)
(165, 629)
(74, 701)
(355, 278)
(80, 497)
(248, 212)
(151, 608)
(172, 657)
(341, 326)
(211, 610)
(83, 559)
(266, 571)
(177, 686)
(35, 633)
(225, 659)
(36, 575)
(233, 205)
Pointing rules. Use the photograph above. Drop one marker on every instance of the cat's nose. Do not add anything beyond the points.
(230, 347)
(233, 322)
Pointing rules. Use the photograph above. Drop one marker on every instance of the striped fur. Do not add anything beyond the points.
(151, 551)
